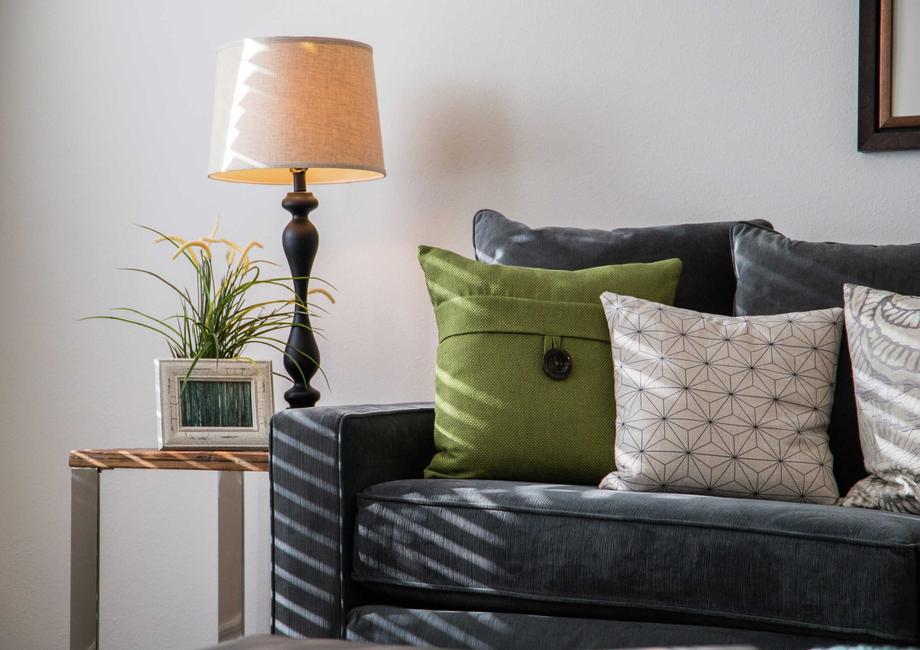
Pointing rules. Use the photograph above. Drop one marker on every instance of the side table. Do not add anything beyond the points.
(86, 467)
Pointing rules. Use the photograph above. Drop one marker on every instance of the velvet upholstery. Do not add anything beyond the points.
(276, 642)
(707, 282)
(777, 275)
(687, 558)
(320, 458)
(509, 631)
(755, 567)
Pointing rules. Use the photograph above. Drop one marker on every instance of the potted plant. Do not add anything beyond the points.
(210, 392)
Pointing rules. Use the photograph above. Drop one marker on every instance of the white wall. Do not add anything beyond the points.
(556, 112)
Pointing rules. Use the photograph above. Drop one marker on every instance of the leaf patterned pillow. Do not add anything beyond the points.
(734, 407)
(883, 330)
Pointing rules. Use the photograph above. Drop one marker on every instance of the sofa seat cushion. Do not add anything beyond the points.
(698, 559)
(512, 631)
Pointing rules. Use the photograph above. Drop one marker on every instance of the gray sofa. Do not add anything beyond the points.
(365, 548)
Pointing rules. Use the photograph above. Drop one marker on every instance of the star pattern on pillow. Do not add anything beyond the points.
(720, 405)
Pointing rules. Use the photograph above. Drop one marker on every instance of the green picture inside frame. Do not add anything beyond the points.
(215, 404)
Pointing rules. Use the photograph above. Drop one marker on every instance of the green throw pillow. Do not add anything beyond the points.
(524, 386)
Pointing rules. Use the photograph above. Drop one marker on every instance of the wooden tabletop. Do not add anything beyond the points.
(212, 459)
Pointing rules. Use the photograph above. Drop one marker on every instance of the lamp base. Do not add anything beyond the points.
(299, 397)
(300, 241)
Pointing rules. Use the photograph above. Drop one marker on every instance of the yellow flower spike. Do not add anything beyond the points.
(197, 243)
(322, 292)
(244, 256)
(229, 243)
(175, 239)
(216, 227)
(230, 255)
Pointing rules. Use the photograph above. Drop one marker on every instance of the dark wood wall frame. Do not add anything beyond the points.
(878, 130)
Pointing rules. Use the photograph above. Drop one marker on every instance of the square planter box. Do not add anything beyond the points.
(225, 404)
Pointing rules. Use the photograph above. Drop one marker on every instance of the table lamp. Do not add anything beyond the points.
(299, 110)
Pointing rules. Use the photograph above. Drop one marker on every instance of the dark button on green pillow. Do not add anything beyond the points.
(557, 364)
(504, 332)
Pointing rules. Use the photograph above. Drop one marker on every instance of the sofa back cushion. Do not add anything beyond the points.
(524, 382)
(707, 282)
(777, 275)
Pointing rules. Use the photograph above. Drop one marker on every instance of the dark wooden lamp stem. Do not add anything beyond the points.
(300, 241)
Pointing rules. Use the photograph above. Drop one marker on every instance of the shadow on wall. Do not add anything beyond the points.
(463, 151)
(471, 148)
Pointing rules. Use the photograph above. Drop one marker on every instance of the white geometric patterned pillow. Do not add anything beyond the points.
(883, 329)
(726, 406)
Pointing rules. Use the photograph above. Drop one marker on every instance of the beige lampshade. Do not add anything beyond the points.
(285, 103)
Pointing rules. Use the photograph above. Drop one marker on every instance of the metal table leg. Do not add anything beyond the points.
(230, 599)
(84, 559)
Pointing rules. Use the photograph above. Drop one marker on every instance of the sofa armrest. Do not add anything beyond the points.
(321, 458)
